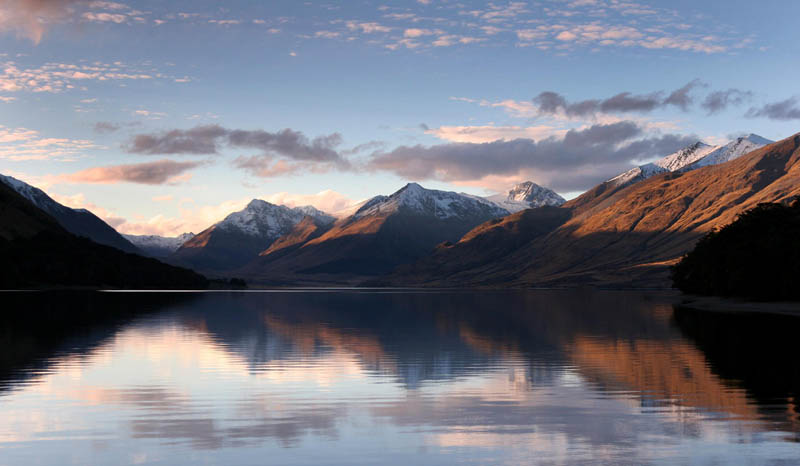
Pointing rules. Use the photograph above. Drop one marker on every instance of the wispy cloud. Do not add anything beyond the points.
(150, 173)
(19, 144)
(30, 18)
(784, 110)
(60, 77)
(718, 101)
(489, 133)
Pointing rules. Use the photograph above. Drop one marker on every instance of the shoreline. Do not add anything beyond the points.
(736, 306)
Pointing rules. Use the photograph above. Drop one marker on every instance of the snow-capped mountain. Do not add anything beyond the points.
(439, 204)
(265, 220)
(525, 196)
(685, 156)
(386, 232)
(242, 235)
(636, 174)
(80, 222)
(694, 156)
(731, 151)
(158, 246)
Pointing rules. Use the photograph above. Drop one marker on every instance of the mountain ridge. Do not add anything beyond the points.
(80, 222)
(241, 236)
(617, 236)
(385, 232)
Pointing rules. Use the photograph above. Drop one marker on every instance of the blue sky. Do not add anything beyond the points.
(164, 116)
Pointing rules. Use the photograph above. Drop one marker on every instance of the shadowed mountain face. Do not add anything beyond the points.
(37, 252)
(384, 233)
(79, 222)
(614, 235)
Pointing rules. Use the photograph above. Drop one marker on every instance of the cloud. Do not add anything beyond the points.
(489, 133)
(282, 152)
(105, 127)
(29, 18)
(367, 27)
(370, 145)
(327, 201)
(105, 17)
(718, 101)
(20, 144)
(150, 173)
(552, 103)
(788, 109)
(59, 77)
(78, 201)
(197, 140)
(682, 97)
(574, 162)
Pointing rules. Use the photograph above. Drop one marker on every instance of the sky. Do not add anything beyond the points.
(163, 117)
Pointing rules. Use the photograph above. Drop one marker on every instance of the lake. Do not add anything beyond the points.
(392, 377)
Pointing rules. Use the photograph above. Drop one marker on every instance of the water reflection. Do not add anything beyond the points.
(367, 377)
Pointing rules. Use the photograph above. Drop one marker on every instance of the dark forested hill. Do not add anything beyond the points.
(37, 252)
(756, 257)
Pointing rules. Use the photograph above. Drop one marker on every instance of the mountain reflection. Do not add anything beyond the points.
(543, 373)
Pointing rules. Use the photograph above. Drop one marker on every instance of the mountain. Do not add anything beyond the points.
(37, 252)
(691, 157)
(385, 232)
(730, 151)
(525, 196)
(158, 246)
(242, 235)
(613, 236)
(79, 222)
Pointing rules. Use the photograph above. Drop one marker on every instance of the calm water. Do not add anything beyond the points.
(539, 377)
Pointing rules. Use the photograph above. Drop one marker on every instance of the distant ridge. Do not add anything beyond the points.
(158, 246)
(527, 195)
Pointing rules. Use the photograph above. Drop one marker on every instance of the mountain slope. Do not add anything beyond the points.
(79, 222)
(37, 252)
(387, 231)
(620, 236)
(691, 157)
(241, 236)
(158, 246)
(525, 196)
(730, 151)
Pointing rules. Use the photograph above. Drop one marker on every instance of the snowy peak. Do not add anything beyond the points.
(440, 204)
(731, 151)
(685, 156)
(642, 172)
(159, 246)
(534, 195)
(263, 219)
(527, 195)
(80, 222)
(694, 156)
(35, 195)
